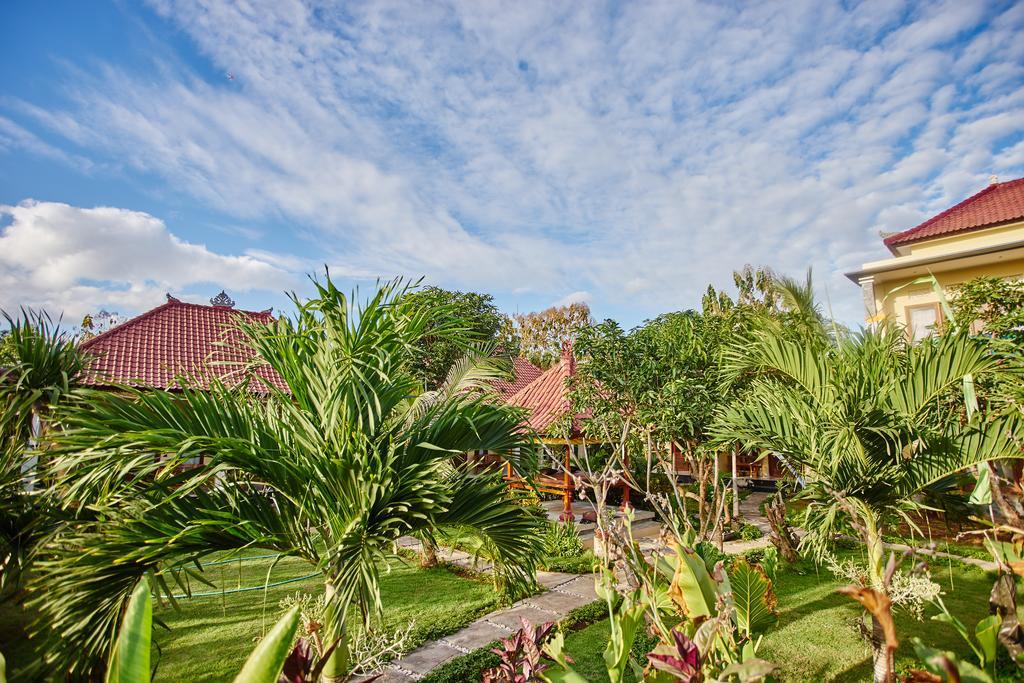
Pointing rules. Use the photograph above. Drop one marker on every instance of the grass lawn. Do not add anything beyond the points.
(210, 637)
(815, 639)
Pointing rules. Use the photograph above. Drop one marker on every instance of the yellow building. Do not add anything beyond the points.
(982, 235)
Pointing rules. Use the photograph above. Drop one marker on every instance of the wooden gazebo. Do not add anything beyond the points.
(547, 406)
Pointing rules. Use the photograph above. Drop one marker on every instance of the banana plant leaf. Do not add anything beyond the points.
(129, 661)
(754, 598)
(266, 661)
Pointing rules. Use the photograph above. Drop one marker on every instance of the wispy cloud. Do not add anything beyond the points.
(635, 152)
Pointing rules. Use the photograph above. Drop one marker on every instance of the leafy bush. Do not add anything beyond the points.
(749, 532)
(642, 644)
(562, 540)
(584, 615)
(575, 564)
(710, 553)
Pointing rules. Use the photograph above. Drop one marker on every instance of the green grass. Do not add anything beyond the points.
(815, 639)
(211, 636)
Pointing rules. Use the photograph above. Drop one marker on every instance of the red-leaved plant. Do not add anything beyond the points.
(522, 655)
(680, 659)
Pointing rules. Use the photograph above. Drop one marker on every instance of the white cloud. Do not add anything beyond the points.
(537, 149)
(574, 298)
(74, 261)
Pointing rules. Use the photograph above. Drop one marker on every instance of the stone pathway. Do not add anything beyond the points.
(565, 592)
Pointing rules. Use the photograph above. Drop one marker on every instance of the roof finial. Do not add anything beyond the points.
(222, 300)
(993, 179)
(172, 300)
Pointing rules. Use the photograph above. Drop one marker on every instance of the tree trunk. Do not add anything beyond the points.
(881, 656)
(1005, 495)
(428, 556)
(336, 668)
(735, 487)
(781, 535)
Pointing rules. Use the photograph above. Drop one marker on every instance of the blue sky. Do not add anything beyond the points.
(625, 154)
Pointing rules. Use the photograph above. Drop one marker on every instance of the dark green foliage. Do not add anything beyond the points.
(711, 555)
(583, 563)
(997, 304)
(475, 314)
(749, 532)
(642, 644)
(584, 615)
(562, 539)
(466, 668)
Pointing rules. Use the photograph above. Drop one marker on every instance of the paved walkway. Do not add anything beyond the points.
(565, 592)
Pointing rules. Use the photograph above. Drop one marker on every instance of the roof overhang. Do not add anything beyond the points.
(910, 266)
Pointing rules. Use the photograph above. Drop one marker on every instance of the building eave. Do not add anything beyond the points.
(901, 263)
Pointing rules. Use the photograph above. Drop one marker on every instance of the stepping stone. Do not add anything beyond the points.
(427, 658)
(476, 635)
(582, 586)
(512, 618)
(389, 675)
(408, 542)
(558, 602)
(552, 579)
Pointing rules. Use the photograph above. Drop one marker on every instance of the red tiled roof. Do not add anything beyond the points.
(998, 203)
(523, 372)
(170, 341)
(545, 398)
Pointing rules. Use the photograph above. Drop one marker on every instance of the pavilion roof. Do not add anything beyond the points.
(546, 400)
(174, 340)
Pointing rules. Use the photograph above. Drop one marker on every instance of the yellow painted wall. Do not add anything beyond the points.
(894, 305)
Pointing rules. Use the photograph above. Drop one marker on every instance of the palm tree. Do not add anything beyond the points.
(870, 420)
(39, 368)
(332, 467)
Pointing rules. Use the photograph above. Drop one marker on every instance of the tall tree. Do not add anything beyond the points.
(332, 467)
(542, 334)
(477, 316)
(652, 391)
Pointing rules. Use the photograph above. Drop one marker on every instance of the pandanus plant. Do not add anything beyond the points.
(871, 421)
(331, 465)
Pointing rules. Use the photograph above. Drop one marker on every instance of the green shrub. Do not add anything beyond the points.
(754, 556)
(749, 532)
(562, 539)
(642, 644)
(575, 564)
(584, 615)
(466, 668)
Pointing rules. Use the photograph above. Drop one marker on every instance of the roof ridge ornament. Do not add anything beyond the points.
(222, 300)
(172, 300)
(993, 179)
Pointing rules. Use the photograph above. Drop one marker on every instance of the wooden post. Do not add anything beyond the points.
(508, 470)
(625, 484)
(567, 515)
(735, 488)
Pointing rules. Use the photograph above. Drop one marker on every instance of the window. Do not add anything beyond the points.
(923, 321)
